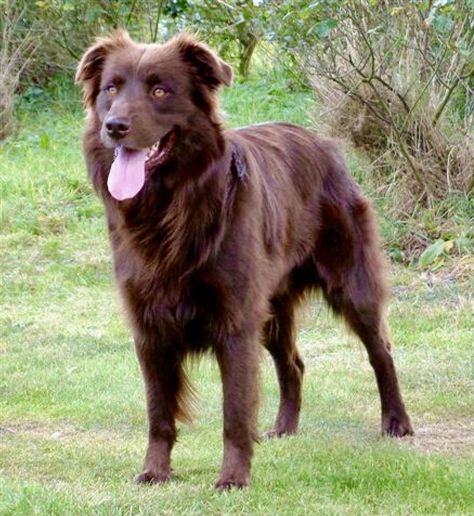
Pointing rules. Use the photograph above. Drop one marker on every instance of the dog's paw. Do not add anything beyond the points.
(278, 432)
(396, 426)
(148, 477)
(231, 483)
(272, 434)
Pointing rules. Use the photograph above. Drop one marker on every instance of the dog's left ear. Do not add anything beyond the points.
(211, 69)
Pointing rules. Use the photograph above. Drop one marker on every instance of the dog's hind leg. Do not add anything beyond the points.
(355, 289)
(365, 319)
(281, 343)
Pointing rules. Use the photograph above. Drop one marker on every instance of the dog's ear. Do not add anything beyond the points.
(90, 67)
(209, 68)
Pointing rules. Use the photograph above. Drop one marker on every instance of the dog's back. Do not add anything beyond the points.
(311, 207)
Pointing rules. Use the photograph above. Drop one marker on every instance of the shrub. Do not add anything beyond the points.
(18, 47)
(397, 78)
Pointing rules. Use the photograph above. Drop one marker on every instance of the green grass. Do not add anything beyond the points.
(72, 418)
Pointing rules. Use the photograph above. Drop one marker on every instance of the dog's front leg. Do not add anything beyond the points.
(238, 362)
(162, 381)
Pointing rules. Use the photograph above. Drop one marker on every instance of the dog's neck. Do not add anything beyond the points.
(198, 146)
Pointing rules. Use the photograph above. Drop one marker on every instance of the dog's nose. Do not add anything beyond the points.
(117, 127)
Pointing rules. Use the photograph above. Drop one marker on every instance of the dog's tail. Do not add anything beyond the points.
(187, 399)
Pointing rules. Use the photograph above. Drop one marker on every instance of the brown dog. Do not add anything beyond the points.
(218, 234)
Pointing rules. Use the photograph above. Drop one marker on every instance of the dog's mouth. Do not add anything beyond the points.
(158, 153)
(128, 171)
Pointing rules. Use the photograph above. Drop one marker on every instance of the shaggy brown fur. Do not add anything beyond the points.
(229, 231)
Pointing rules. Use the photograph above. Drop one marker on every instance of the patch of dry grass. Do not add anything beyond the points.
(454, 436)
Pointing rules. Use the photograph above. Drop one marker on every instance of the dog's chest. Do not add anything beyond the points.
(193, 307)
(189, 313)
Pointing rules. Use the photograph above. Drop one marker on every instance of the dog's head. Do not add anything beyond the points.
(143, 95)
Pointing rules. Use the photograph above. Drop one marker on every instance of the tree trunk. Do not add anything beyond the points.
(248, 45)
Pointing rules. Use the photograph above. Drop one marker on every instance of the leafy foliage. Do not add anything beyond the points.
(397, 78)
(234, 27)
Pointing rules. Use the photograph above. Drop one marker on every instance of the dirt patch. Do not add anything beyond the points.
(60, 431)
(455, 437)
(36, 429)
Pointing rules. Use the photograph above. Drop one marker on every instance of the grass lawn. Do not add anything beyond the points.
(72, 414)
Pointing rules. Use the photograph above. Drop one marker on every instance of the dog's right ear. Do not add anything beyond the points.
(90, 67)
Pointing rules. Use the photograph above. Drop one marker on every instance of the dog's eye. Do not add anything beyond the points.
(111, 90)
(159, 92)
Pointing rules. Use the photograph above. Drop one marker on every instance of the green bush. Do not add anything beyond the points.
(397, 79)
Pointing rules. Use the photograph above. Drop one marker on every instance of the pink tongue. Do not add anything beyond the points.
(127, 173)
